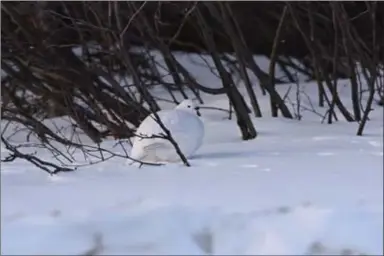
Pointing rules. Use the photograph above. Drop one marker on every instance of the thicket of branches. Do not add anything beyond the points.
(104, 85)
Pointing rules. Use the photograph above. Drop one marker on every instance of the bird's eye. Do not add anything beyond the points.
(189, 106)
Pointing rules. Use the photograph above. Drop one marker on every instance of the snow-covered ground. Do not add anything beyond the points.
(301, 187)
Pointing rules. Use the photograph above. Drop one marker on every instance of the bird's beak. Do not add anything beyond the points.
(197, 111)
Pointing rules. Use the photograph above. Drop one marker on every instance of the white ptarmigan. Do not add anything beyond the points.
(185, 126)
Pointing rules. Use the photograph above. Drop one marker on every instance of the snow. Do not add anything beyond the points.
(301, 187)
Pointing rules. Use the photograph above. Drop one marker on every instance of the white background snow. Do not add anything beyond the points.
(301, 187)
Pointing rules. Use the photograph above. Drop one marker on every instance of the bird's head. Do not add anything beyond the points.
(189, 105)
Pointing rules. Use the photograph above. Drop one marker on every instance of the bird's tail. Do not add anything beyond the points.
(157, 152)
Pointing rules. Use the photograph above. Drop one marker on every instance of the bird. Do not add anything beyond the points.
(186, 128)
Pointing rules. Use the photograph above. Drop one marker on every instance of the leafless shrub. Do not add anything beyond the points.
(78, 60)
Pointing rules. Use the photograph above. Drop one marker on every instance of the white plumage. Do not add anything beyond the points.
(185, 127)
